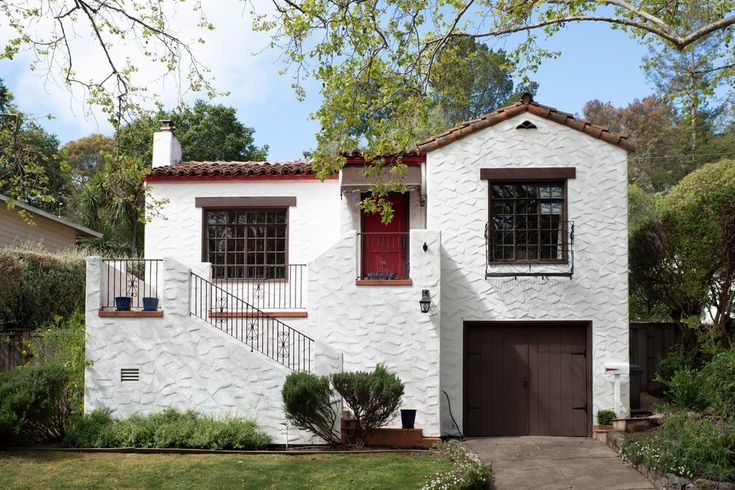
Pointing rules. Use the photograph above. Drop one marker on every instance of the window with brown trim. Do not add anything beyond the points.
(527, 222)
(246, 243)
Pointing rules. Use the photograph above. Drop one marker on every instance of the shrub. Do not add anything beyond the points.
(93, 430)
(373, 398)
(687, 446)
(37, 286)
(308, 401)
(717, 384)
(31, 405)
(606, 417)
(167, 429)
(467, 471)
(61, 341)
(674, 361)
(684, 390)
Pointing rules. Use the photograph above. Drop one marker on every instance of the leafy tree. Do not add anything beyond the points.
(86, 155)
(30, 167)
(395, 46)
(206, 132)
(659, 161)
(684, 259)
(469, 80)
(50, 31)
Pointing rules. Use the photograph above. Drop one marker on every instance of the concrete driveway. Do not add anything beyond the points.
(556, 462)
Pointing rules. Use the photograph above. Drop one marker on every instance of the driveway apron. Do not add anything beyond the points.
(556, 463)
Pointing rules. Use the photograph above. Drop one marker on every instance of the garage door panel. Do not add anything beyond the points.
(526, 379)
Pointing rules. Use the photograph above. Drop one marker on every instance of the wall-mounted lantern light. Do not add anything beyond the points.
(425, 301)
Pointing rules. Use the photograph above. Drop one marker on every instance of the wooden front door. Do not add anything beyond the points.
(526, 379)
(385, 247)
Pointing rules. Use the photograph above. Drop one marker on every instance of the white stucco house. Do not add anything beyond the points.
(514, 229)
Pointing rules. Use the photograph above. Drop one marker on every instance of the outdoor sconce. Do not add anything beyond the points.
(425, 301)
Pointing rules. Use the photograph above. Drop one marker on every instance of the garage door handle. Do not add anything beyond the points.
(473, 407)
(583, 407)
(525, 382)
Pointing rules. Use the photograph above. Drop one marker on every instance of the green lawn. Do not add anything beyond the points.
(49, 469)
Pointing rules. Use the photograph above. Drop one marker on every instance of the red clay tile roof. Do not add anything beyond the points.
(525, 105)
(212, 169)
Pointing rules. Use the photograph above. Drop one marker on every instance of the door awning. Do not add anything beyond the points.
(354, 181)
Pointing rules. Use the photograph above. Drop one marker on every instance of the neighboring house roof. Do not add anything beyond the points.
(83, 230)
(221, 169)
(526, 104)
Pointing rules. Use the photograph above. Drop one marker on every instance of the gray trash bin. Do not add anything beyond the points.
(635, 386)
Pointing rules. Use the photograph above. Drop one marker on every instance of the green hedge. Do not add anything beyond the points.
(38, 286)
(167, 429)
(32, 404)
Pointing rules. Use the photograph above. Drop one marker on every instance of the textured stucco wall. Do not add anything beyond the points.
(184, 363)
(313, 222)
(457, 204)
(383, 324)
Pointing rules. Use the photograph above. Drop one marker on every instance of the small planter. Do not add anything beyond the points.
(600, 432)
(408, 418)
(150, 304)
(122, 303)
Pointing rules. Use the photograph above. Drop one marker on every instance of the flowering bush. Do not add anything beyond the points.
(687, 446)
(467, 471)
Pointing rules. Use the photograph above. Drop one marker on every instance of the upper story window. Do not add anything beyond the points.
(527, 222)
(246, 243)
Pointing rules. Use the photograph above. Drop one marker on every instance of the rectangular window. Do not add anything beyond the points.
(246, 243)
(527, 222)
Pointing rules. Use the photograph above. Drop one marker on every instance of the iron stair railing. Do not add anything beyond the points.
(250, 325)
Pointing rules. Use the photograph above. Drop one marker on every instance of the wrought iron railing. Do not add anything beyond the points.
(541, 250)
(383, 255)
(268, 287)
(250, 325)
(131, 284)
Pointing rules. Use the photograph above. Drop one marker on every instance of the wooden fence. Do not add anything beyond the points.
(649, 342)
(11, 349)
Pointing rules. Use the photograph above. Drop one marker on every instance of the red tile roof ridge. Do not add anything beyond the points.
(207, 168)
(526, 105)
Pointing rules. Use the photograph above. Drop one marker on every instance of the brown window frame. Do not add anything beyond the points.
(549, 179)
(245, 265)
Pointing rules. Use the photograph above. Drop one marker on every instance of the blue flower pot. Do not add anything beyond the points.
(150, 304)
(122, 303)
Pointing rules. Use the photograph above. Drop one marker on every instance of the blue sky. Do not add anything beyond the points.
(596, 63)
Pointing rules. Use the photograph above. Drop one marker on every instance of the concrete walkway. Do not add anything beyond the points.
(556, 462)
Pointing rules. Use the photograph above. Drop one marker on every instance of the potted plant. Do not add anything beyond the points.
(408, 417)
(604, 425)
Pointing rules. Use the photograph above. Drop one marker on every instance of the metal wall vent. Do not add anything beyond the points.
(526, 125)
(129, 374)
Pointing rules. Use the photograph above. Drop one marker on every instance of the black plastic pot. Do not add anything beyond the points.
(408, 418)
(122, 303)
(150, 304)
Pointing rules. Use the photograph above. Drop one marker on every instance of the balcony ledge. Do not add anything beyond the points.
(383, 282)
(130, 314)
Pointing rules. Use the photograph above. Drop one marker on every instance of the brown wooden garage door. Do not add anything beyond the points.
(526, 379)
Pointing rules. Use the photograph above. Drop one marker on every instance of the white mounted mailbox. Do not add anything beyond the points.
(617, 368)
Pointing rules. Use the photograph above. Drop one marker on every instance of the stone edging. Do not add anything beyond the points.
(666, 481)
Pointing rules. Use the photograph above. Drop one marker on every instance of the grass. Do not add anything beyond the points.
(50, 469)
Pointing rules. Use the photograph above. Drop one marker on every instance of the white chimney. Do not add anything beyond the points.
(166, 148)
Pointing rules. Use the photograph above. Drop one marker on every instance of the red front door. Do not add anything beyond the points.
(385, 247)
